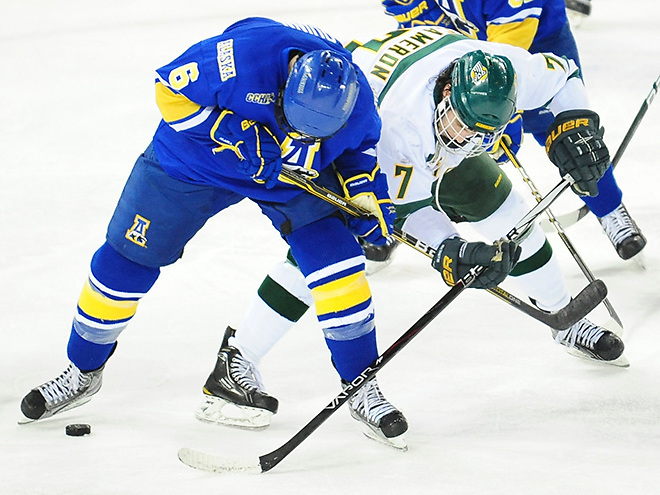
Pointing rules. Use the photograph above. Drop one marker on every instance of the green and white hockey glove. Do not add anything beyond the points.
(259, 153)
(455, 257)
(575, 144)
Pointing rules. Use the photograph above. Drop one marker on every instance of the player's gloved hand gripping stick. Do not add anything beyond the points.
(575, 216)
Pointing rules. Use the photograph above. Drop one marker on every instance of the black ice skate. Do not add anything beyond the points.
(71, 389)
(234, 394)
(588, 340)
(381, 420)
(378, 257)
(623, 232)
(582, 7)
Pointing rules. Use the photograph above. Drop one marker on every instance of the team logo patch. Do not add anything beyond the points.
(260, 98)
(138, 232)
(478, 73)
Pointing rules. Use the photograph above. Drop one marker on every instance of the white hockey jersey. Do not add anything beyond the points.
(402, 68)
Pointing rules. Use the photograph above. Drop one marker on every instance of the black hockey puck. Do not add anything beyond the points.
(78, 430)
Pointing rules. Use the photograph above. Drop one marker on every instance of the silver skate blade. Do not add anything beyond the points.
(372, 267)
(218, 464)
(640, 260)
(620, 362)
(222, 412)
(398, 443)
(76, 403)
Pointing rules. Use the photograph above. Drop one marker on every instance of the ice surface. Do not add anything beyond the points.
(495, 407)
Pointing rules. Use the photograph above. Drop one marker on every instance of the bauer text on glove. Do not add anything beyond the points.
(370, 192)
(575, 145)
(259, 153)
(455, 257)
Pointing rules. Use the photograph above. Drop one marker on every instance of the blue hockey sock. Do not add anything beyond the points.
(86, 355)
(609, 195)
(351, 357)
(108, 301)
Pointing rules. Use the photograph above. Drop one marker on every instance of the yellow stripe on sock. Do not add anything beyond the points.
(341, 294)
(98, 306)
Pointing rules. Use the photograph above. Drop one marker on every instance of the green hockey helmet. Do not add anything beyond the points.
(483, 91)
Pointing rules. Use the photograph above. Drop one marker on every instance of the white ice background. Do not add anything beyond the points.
(494, 405)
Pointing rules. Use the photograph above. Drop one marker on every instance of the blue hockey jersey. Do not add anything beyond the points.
(525, 23)
(242, 70)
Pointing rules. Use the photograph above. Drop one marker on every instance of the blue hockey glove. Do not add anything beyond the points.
(456, 256)
(513, 137)
(371, 193)
(575, 145)
(410, 13)
(255, 146)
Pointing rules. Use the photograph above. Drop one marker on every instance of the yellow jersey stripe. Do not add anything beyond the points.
(514, 33)
(174, 106)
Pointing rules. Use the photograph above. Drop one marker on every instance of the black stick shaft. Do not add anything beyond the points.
(270, 460)
(636, 121)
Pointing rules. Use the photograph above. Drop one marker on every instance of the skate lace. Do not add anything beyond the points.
(583, 333)
(64, 386)
(370, 402)
(618, 225)
(245, 373)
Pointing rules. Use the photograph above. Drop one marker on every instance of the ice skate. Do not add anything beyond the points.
(234, 394)
(381, 421)
(71, 389)
(588, 340)
(623, 232)
(378, 257)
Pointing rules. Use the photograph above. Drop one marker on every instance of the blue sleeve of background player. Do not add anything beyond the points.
(413, 13)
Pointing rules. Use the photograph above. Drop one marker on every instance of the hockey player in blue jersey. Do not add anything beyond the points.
(538, 26)
(235, 108)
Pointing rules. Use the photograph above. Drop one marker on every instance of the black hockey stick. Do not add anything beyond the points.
(266, 462)
(573, 217)
(558, 227)
(562, 319)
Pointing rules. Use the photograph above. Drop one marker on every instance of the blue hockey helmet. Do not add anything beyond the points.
(318, 97)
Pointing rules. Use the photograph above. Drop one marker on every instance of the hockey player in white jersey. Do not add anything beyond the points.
(539, 26)
(444, 101)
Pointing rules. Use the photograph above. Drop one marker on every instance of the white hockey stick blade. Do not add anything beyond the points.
(565, 220)
(218, 464)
